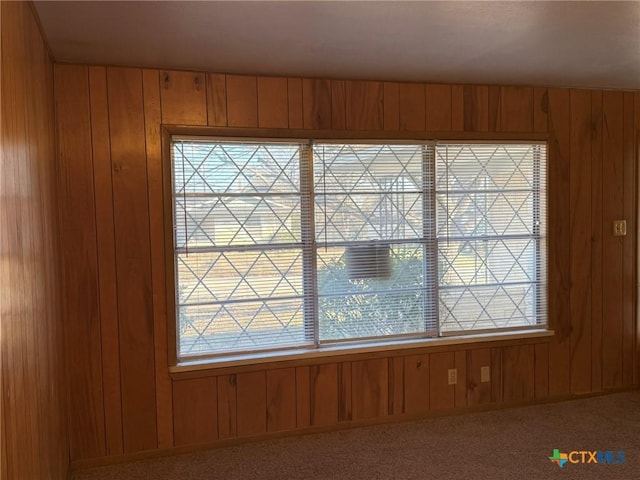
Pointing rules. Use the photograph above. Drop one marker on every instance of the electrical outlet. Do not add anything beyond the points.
(485, 374)
(453, 376)
(619, 228)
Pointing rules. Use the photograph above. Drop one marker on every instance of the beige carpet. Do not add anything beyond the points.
(505, 444)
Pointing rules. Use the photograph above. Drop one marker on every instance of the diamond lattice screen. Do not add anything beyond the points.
(491, 221)
(238, 246)
(283, 244)
(374, 234)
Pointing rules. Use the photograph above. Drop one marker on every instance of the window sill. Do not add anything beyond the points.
(248, 359)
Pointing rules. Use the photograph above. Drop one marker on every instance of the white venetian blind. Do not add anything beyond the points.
(374, 233)
(239, 246)
(491, 229)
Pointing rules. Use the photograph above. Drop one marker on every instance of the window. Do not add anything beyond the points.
(300, 244)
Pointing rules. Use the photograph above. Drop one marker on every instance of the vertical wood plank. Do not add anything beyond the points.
(158, 260)
(44, 308)
(281, 399)
(516, 109)
(416, 384)
(496, 375)
(344, 392)
(391, 106)
(184, 98)
(273, 106)
(476, 108)
(242, 101)
(396, 385)
(540, 109)
(316, 104)
(457, 108)
(133, 262)
(106, 259)
(338, 105)
(613, 248)
(629, 212)
(365, 105)
(323, 380)
(412, 106)
(441, 394)
(4, 468)
(20, 210)
(195, 411)
(518, 373)
(438, 106)
(596, 241)
(495, 107)
(303, 397)
(541, 387)
(217, 99)
(580, 211)
(636, 371)
(478, 392)
(461, 387)
(294, 93)
(227, 410)
(83, 329)
(370, 388)
(559, 118)
(251, 401)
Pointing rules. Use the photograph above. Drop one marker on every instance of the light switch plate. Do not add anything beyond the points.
(485, 374)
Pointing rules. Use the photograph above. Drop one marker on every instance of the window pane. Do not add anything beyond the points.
(374, 306)
(368, 217)
(480, 262)
(234, 167)
(368, 192)
(228, 327)
(367, 168)
(487, 307)
(245, 220)
(487, 167)
(221, 276)
(491, 223)
(238, 243)
(369, 212)
(485, 213)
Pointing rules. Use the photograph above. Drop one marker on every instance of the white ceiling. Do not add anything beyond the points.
(590, 44)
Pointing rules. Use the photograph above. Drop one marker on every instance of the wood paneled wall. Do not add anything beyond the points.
(34, 424)
(124, 399)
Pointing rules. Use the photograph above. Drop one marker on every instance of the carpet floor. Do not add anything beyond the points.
(513, 443)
